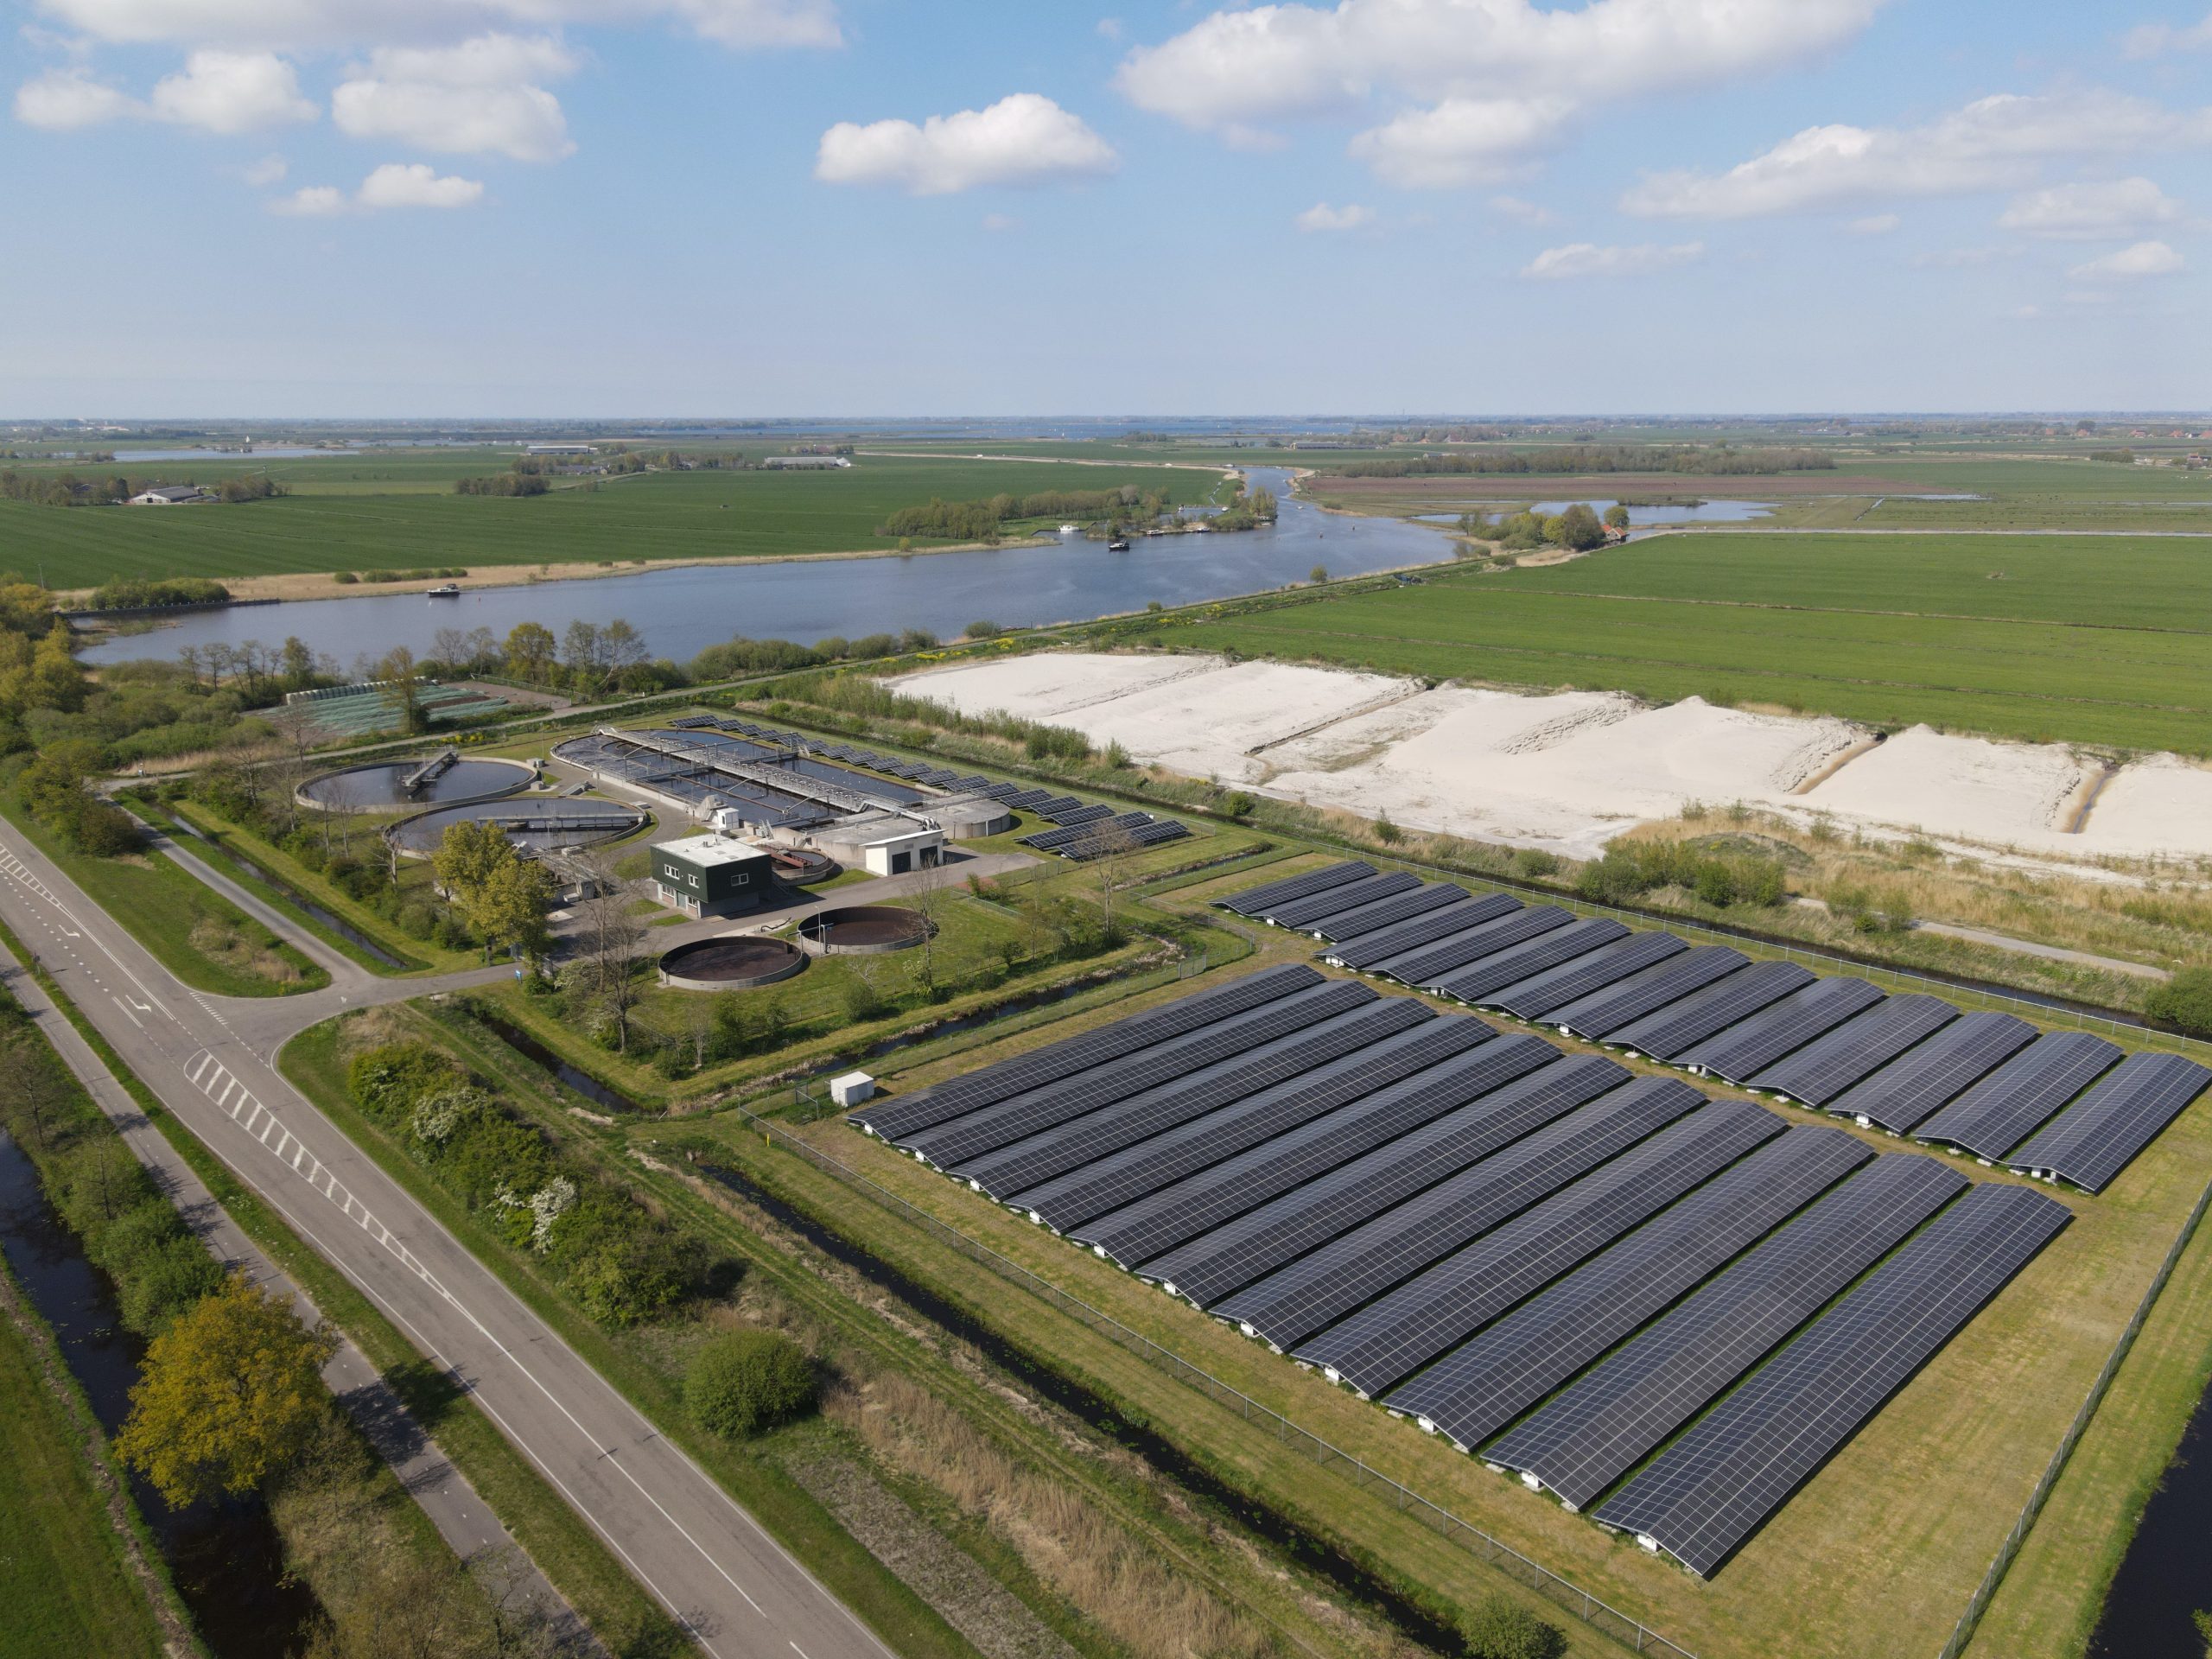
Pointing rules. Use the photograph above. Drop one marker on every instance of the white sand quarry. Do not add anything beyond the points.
(1568, 772)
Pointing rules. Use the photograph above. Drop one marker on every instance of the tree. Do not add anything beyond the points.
(1498, 1627)
(1318, 573)
(612, 939)
(1576, 528)
(1617, 516)
(57, 678)
(983, 631)
(1109, 867)
(620, 645)
(509, 910)
(295, 662)
(2185, 1001)
(31, 1100)
(402, 690)
(739, 1384)
(580, 649)
(230, 1394)
(450, 647)
(529, 651)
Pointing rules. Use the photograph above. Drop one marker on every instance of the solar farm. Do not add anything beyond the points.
(1666, 1308)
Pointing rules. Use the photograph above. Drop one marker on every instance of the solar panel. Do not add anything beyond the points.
(1254, 901)
(1386, 913)
(1534, 997)
(1475, 982)
(1002, 793)
(1912, 1086)
(1657, 987)
(1667, 1033)
(1475, 1390)
(1012, 1169)
(1428, 1315)
(973, 784)
(1306, 1298)
(1122, 1178)
(1425, 966)
(1298, 913)
(1605, 1423)
(1463, 913)
(2097, 1137)
(1025, 800)
(1825, 1067)
(2005, 1107)
(692, 722)
(897, 1117)
(1082, 814)
(1096, 840)
(1752, 1046)
(1702, 1497)
(1129, 825)
(973, 1133)
(1157, 1223)
(1053, 805)
(1275, 1237)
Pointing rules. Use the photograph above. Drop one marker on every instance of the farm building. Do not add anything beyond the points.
(805, 463)
(170, 495)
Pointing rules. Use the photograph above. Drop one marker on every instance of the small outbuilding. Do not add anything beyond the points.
(712, 875)
(170, 495)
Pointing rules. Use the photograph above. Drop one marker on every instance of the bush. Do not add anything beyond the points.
(1532, 861)
(1496, 1628)
(2184, 1002)
(739, 1384)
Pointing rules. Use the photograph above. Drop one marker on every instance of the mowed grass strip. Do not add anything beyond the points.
(416, 521)
(1764, 623)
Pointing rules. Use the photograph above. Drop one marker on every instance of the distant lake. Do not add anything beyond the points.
(1709, 512)
(681, 611)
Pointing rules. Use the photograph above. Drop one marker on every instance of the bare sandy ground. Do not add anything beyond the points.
(1568, 772)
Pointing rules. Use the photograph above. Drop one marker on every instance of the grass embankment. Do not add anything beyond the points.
(312, 1062)
(2047, 639)
(372, 512)
(626, 1620)
(66, 1578)
(193, 931)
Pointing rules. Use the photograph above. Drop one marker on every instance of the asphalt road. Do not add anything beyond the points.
(207, 1057)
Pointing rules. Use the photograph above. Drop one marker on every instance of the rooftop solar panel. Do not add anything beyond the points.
(1124, 1177)
(1298, 913)
(1659, 986)
(1254, 901)
(1157, 1223)
(1709, 1491)
(1314, 1291)
(2100, 1134)
(1666, 1033)
(1007, 1170)
(2005, 1107)
(1534, 997)
(973, 1133)
(1752, 1046)
(1607, 1421)
(1476, 981)
(897, 1116)
(1466, 912)
(1427, 1316)
(1911, 1087)
(1386, 913)
(1825, 1067)
(1475, 1390)
(1275, 1237)
(1431, 963)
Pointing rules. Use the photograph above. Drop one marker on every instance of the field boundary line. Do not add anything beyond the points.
(1563, 1592)
(1978, 1603)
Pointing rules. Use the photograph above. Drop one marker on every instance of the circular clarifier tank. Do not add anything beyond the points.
(384, 786)
(730, 963)
(862, 930)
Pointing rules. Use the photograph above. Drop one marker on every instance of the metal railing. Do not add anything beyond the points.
(1564, 1594)
(1978, 1603)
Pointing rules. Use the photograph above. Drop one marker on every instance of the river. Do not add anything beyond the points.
(682, 611)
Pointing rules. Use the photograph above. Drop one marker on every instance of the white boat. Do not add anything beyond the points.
(450, 590)
(1069, 530)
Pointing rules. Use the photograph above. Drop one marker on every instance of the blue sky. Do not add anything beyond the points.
(734, 208)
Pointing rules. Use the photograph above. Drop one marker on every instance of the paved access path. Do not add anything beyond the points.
(209, 1059)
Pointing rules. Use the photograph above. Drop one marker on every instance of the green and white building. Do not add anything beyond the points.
(712, 875)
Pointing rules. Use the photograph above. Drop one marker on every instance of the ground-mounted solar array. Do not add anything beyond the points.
(1092, 833)
(1559, 1265)
(1908, 1064)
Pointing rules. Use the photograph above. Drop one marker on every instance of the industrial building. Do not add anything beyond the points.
(713, 874)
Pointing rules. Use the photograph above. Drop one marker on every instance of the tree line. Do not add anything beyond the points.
(982, 521)
(1717, 460)
(67, 490)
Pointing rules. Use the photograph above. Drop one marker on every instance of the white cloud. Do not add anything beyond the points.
(63, 100)
(1587, 259)
(1527, 213)
(1995, 143)
(311, 201)
(1322, 217)
(1240, 67)
(1875, 225)
(230, 92)
(2090, 212)
(270, 169)
(338, 23)
(1462, 141)
(1024, 138)
(469, 100)
(2149, 39)
(400, 185)
(2143, 259)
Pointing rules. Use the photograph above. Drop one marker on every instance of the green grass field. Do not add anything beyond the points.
(63, 1579)
(2089, 640)
(372, 512)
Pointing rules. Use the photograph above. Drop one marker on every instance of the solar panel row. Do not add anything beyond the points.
(1534, 997)
(1377, 914)
(1702, 1497)
(1909, 1088)
(1659, 986)
(1431, 963)
(2114, 1120)
(1256, 901)
(2005, 1107)
(1825, 1067)
(1299, 913)
(1462, 913)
